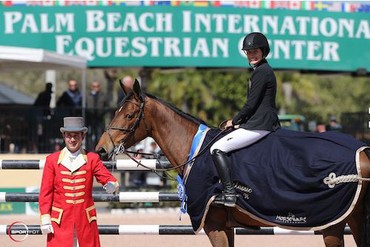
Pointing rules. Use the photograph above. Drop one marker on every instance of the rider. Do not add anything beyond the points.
(256, 119)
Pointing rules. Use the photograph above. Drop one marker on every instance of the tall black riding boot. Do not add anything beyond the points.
(223, 167)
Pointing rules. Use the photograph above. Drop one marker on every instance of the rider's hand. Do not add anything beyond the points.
(229, 124)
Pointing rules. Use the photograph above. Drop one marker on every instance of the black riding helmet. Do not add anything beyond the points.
(256, 40)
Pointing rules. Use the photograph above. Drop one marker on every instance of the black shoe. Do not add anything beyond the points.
(228, 200)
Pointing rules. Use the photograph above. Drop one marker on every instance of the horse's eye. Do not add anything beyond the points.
(129, 116)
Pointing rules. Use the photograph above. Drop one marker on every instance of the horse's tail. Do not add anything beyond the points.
(365, 242)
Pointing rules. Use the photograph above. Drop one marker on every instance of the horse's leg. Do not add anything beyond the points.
(333, 236)
(355, 222)
(215, 226)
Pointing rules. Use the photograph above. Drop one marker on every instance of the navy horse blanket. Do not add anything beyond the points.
(295, 180)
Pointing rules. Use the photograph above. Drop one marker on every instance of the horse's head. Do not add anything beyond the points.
(128, 126)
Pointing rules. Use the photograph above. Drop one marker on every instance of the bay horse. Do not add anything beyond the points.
(141, 115)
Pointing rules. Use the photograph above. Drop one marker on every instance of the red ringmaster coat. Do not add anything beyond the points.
(66, 197)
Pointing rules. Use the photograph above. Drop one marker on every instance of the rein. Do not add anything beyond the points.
(201, 152)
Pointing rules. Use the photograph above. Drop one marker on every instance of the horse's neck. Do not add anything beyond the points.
(173, 133)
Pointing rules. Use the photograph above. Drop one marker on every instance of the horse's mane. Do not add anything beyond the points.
(177, 110)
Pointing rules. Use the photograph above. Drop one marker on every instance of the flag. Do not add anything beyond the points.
(175, 3)
(254, 4)
(296, 5)
(161, 3)
(321, 6)
(348, 7)
(199, 3)
(280, 4)
(363, 8)
(307, 5)
(227, 3)
(15, 3)
(266, 4)
(334, 6)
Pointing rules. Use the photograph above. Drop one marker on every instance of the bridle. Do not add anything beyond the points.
(131, 131)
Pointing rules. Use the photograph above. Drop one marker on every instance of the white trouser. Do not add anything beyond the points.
(238, 138)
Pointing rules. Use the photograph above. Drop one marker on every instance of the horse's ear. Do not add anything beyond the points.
(126, 89)
(137, 89)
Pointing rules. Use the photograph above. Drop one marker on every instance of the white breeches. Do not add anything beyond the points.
(237, 139)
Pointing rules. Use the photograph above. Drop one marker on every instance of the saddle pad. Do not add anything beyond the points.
(285, 178)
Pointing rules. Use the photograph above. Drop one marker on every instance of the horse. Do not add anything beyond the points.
(142, 115)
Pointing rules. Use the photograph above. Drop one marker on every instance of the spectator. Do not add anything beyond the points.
(334, 125)
(40, 118)
(155, 150)
(44, 98)
(71, 97)
(68, 213)
(96, 102)
(127, 81)
(320, 127)
(96, 98)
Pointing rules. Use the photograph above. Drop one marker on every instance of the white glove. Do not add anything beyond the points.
(47, 228)
(111, 187)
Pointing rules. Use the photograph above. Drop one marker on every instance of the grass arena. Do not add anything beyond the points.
(149, 218)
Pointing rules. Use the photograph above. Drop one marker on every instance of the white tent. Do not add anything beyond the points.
(21, 58)
(29, 58)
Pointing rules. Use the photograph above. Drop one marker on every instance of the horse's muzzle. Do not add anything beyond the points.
(104, 155)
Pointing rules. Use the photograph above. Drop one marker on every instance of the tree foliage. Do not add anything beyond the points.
(215, 94)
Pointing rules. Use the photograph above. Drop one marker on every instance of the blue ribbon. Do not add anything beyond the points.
(197, 138)
(180, 182)
(182, 195)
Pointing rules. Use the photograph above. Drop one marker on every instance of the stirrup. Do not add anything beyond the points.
(227, 200)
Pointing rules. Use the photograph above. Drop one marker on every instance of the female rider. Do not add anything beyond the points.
(256, 119)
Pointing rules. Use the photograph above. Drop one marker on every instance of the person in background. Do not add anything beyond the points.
(95, 103)
(40, 119)
(71, 97)
(255, 120)
(96, 98)
(334, 125)
(66, 205)
(127, 81)
(320, 127)
(43, 99)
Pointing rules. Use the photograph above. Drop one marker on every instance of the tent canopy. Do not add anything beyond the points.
(9, 96)
(21, 58)
(12, 57)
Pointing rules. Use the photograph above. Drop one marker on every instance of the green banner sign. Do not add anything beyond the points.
(165, 36)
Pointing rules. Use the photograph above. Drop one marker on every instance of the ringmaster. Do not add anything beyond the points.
(68, 213)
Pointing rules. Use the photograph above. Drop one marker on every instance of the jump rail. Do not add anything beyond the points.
(159, 196)
(120, 165)
(20, 229)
